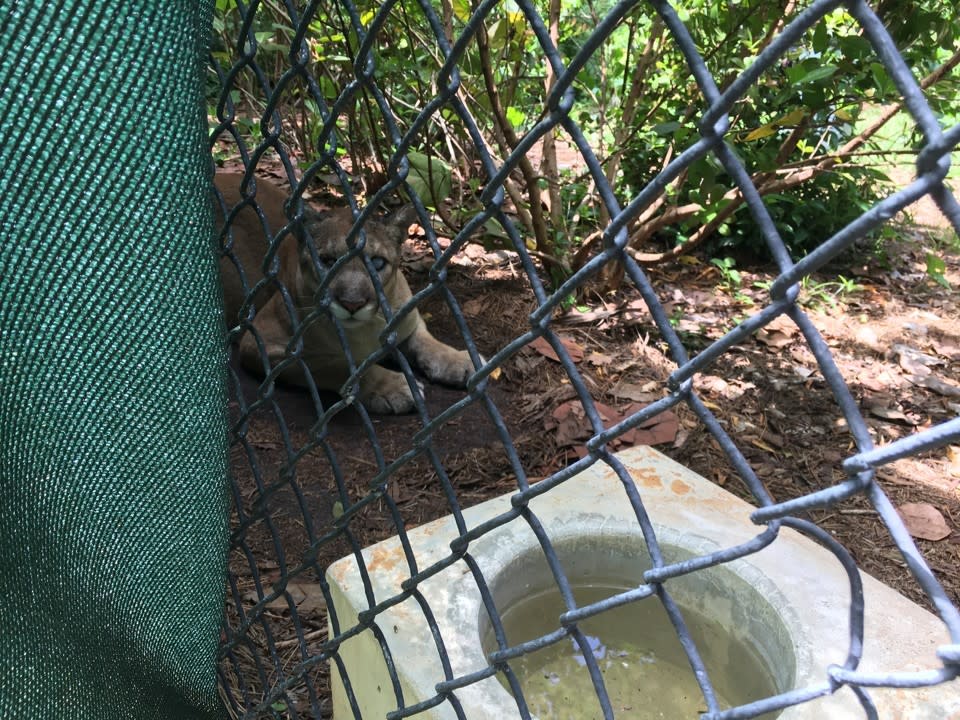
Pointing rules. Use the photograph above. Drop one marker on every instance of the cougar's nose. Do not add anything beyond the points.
(351, 306)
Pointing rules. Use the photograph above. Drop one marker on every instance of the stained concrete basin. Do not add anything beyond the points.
(794, 580)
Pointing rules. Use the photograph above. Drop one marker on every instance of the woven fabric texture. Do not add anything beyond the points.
(113, 496)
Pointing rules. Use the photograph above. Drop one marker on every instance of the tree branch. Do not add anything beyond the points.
(507, 139)
(767, 183)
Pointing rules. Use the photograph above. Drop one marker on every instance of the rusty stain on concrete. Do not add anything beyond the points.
(385, 557)
(339, 572)
(646, 477)
(679, 487)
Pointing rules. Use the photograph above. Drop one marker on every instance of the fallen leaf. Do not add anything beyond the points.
(572, 427)
(924, 521)
(778, 442)
(681, 439)
(599, 359)
(947, 349)
(762, 445)
(308, 598)
(631, 391)
(774, 338)
(877, 381)
(543, 347)
(572, 347)
(953, 460)
(914, 361)
(932, 382)
(713, 384)
(561, 411)
(475, 307)
(570, 423)
(781, 324)
(866, 335)
(659, 429)
(526, 364)
(475, 251)
(890, 413)
(265, 445)
(610, 416)
(575, 317)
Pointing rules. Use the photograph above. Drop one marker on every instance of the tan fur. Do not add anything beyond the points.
(352, 299)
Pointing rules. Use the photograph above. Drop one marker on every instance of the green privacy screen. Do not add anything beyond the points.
(112, 425)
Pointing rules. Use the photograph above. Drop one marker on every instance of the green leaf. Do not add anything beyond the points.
(818, 73)
(461, 8)
(429, 178)
(881, 79)
(795, 117)
(820, 39)
(493, 228)
(936, 269)
(498, 35)
(515, 116)
(762, 132)
(795, 74)
(667, 128)
(855, 47)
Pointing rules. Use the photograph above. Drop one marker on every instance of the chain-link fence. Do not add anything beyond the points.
(358, 452)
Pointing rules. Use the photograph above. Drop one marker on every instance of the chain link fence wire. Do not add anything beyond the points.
(310, 491)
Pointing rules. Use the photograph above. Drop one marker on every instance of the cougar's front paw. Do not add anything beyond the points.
(446, 365)
(387, 393)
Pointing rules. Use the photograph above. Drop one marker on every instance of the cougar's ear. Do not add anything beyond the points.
(306, 231)
(401, 220)
(309, 225)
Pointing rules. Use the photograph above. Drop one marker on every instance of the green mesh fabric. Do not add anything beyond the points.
(113, 495)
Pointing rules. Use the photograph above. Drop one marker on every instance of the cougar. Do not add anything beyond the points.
(350, 293)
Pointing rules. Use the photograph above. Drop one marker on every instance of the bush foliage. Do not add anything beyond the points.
(805, 132)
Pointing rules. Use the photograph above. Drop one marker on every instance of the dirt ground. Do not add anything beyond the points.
(893, 331)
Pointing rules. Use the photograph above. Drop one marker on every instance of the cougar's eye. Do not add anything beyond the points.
(328, 260)
(379, 263)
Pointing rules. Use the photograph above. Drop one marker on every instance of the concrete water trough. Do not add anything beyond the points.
(765, 624)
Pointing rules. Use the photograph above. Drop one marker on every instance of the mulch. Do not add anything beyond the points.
(767, 393)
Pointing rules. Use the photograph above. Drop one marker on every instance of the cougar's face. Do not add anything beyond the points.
(353, 298)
